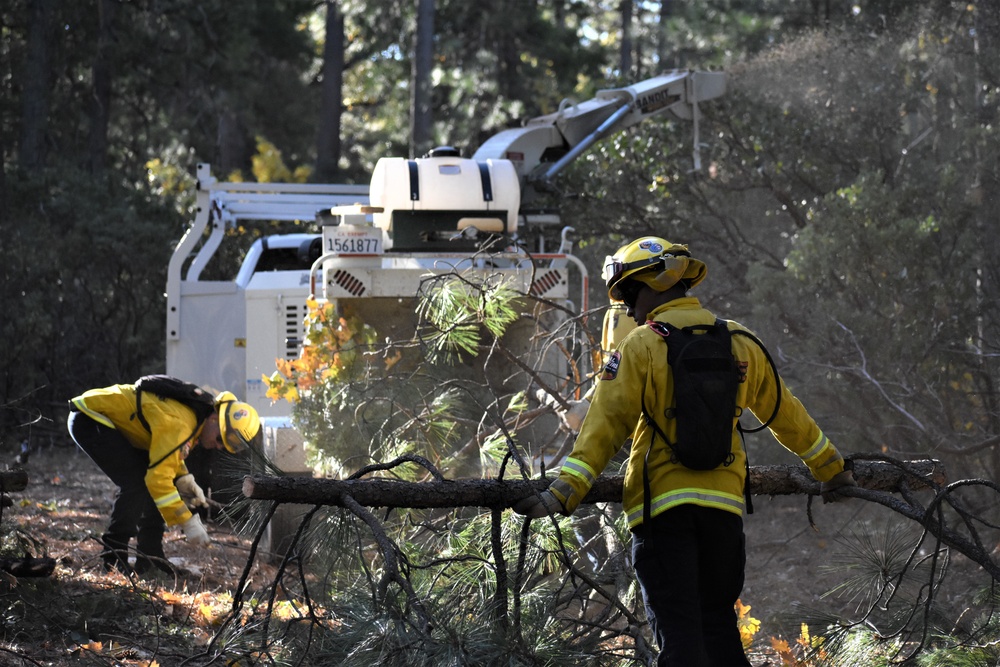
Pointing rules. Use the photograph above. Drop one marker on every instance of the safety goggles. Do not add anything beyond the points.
(613, 269)
(234, 441)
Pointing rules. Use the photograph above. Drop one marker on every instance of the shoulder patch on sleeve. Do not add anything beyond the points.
(611, 368)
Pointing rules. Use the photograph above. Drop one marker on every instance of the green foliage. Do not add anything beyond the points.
(448, 560)
(89, 256)
(455, 310)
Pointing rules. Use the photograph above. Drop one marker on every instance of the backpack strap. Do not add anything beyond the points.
(138, 410)
(145, 425)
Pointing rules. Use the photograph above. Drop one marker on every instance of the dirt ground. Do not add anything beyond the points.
(83, 615)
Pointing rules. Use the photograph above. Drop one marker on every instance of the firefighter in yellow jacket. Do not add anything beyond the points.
(689, 559)
(148, 466)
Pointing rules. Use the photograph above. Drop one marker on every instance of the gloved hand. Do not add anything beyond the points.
(190, 491)
(195, 532)
(538, 505)
(829, 488)
(571, 418)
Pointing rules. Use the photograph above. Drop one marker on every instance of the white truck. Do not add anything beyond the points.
(372, 245)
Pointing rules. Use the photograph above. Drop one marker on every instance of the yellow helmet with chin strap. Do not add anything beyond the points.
(239, 423)
(653, 261)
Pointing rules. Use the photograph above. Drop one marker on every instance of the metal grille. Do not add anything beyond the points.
(294, 314)
(348, 283)
(545, 281)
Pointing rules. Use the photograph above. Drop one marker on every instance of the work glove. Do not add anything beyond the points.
(190, 491)
(572, 417)
(829, 488)
(538, 505)
(195, 532)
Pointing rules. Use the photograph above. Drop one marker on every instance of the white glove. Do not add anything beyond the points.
(189, 489)
(538, 505)
(195, 532)
(572, 417)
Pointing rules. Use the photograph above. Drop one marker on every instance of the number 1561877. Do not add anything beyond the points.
(354, 245)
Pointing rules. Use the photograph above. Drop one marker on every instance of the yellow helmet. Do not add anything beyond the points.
(654, 261)
(239, 423)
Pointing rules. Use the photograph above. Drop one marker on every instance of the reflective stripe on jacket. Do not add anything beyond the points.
(175, 430)
(638, 375)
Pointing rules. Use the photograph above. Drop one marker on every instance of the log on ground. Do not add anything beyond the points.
(13, 480)
(384, 492)
(28, 566)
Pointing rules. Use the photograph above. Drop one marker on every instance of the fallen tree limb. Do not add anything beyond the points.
(383, 492)
(13, 480)
(28, 566)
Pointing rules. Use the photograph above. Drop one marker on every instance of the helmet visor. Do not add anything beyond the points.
(235, 442)
(615, 270)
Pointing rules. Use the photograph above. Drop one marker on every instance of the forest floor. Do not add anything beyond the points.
(82, 615)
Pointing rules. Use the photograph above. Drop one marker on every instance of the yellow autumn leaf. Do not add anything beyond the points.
(207, 613)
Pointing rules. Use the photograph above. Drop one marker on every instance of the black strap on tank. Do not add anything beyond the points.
(414, 180)
(484, 175)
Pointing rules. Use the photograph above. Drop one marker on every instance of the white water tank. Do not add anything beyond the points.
(455, 187)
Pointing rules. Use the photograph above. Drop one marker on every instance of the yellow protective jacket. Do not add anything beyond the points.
(175, 430)
(638, 375)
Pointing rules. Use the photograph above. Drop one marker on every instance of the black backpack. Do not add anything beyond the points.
(706, 379)
(165, 386)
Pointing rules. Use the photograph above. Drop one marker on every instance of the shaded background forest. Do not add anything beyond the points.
(847, 207)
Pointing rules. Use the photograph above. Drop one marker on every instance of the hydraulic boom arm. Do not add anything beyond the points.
(544, 146)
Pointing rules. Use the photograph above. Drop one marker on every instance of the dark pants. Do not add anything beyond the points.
(689, 562)
(134, 513)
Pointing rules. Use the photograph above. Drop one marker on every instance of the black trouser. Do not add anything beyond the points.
(689, 562)
(134, 513)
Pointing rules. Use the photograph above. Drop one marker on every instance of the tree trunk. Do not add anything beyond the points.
(421, 104)
(626, 8)
(381, 492)
(103, 73)
(232, 142)
(35, 85)
(331, 97)
(663, 45)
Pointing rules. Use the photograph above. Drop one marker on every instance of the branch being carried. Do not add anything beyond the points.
(381, 492)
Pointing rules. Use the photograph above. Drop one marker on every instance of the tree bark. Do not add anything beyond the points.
(331, 98)
(382, 492)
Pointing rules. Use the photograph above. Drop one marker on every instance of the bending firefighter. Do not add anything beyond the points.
(687, 524)
(141, 446)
